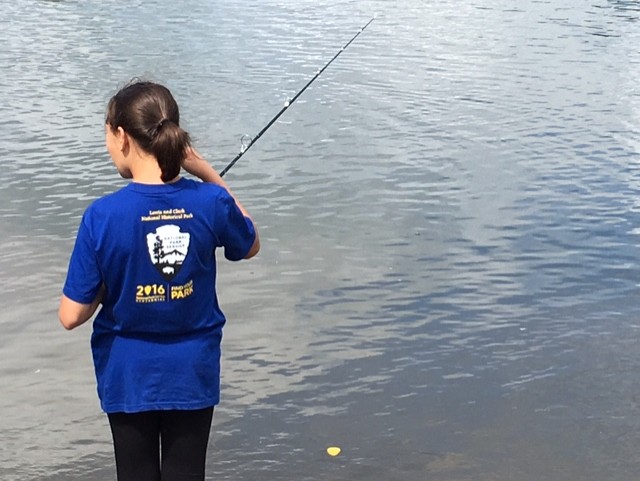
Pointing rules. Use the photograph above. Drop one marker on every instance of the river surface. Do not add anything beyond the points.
(450, 219)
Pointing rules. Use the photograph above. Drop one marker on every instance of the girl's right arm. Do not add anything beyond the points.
(196, 165)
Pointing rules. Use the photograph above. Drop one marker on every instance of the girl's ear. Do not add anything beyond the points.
(122, 138)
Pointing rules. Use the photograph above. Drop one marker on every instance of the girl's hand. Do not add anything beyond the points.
(195, 164)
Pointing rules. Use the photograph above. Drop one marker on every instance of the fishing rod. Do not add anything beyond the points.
(247, 141)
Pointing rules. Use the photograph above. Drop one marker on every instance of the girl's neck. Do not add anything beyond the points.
(145, 170)
(141, 166)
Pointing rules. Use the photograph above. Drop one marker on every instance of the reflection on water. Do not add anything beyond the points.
(449, 218)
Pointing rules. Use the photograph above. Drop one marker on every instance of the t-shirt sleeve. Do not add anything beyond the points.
(83, 277)
(238, 233)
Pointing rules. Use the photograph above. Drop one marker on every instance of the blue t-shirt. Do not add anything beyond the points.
(156, 339)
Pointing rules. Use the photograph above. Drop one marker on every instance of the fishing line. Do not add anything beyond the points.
(246, 140)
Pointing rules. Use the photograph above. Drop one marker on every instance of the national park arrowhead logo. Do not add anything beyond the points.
(168, 248)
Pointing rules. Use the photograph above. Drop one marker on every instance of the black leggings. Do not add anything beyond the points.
(161, 445)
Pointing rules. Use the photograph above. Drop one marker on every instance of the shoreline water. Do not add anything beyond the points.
(449, 222)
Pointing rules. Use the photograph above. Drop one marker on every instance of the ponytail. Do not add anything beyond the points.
(168, 145)
(149, 113)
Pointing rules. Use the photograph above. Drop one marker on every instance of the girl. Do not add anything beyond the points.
(146, 253)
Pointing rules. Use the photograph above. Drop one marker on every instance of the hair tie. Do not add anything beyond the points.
(158, 126)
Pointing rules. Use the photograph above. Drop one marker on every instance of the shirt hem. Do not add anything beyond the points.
(172, 406)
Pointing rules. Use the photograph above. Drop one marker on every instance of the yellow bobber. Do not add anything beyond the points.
(333, 450)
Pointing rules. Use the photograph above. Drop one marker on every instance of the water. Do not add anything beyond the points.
(449, 217)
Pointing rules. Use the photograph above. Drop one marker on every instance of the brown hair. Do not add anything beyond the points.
(148, 112)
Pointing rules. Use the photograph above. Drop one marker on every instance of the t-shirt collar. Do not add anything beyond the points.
(158, 188)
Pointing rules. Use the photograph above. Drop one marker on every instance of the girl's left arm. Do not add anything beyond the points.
(73, 314)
